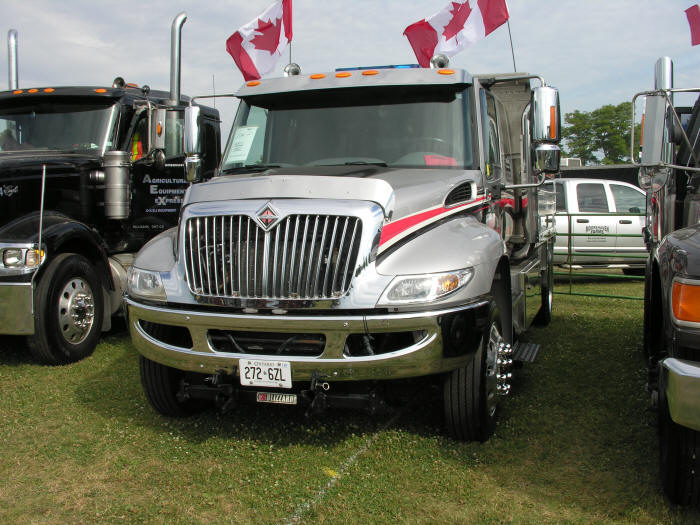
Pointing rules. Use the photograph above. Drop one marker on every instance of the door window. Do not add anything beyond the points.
(591, 198)
(492, 146)
(628, 200)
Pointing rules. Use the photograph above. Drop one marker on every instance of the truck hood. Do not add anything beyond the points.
(19, 162)
(400, 192)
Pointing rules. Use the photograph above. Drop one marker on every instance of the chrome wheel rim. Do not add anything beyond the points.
(76, 311)
(493, 369)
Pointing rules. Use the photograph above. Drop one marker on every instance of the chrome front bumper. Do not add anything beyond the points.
(422, 358)
(16, 309)
(682, 382)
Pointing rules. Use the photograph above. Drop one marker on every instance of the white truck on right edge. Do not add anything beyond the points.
(366, 225)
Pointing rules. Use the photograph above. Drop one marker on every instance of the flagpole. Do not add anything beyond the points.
(511, 45)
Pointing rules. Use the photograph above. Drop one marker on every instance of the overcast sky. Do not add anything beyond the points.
(595, 51)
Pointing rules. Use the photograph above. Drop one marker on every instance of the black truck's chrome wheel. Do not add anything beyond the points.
(76, 310)
(68, 310)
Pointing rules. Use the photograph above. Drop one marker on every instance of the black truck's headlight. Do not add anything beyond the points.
(145, 284)
(413, 289)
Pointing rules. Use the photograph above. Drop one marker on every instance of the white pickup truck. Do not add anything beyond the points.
(605, 218)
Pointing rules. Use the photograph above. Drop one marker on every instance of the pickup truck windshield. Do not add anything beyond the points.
(60, 126)
(395, 127)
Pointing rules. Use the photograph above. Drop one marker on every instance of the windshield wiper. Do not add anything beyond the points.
(251, 167)
(366, 163)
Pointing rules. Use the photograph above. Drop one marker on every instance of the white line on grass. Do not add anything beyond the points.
(307, 506)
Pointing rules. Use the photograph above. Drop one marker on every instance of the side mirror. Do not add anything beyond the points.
(192, 145)
(653, 131)
(547, 158)
(545, 117)
(193, 160)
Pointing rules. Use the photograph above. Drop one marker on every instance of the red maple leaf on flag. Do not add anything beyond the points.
(268, 38)
(460, 13)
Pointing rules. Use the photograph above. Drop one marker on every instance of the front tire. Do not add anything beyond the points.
(680, 460)
(161, 384)
(470, 393)
(69, 311)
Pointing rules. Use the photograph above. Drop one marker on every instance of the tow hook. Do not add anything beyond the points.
(316, 395)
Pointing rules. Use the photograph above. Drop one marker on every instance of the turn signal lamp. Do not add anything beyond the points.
(253, 83)
(343, 74)
(317, 76)
(553, 122)
(685, 299)
(34, 257)
(370, 72)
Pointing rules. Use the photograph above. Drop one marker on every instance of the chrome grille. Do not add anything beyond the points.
(301, 257)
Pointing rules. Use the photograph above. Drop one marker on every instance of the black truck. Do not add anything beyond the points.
(87, 176)
(670, 172)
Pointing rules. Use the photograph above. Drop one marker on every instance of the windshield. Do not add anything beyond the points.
(57, 125)
(415, 127)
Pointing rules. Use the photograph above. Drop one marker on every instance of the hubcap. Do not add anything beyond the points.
(498, 362)
(76, 311)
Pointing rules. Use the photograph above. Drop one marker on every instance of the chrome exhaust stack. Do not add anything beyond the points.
(175, 57)
(12, 75)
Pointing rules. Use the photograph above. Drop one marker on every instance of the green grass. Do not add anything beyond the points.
(575, 443)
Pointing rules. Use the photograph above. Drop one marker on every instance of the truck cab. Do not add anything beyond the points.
(366, 226)
(670, 172)
(88, 174)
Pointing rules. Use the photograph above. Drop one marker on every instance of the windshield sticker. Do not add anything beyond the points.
(439, 160)
(241, 144)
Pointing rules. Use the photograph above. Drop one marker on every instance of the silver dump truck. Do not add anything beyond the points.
(365, 226)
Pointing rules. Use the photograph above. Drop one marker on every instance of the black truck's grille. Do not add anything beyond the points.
(301, 257)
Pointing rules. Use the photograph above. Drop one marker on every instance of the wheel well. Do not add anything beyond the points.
(92, 253)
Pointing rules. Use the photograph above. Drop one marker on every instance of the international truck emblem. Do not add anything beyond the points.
(267, 217)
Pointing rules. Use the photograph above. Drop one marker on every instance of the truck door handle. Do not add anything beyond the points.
(625, 221)
(582, 220)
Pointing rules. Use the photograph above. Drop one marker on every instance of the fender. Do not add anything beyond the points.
(61, 234)
(454, 244)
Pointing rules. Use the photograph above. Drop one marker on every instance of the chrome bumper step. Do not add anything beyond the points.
(525, 352)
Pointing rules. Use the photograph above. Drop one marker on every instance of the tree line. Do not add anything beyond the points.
(601, 136)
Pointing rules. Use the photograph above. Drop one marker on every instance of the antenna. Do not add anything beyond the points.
(511, 45)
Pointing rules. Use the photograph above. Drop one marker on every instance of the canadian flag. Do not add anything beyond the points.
(454, 28)
(256, 46)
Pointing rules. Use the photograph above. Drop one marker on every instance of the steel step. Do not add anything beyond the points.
(525, 352)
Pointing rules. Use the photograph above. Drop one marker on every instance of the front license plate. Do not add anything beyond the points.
(280, 399)
(261, 372)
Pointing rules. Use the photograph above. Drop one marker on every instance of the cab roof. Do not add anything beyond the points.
(358, 78)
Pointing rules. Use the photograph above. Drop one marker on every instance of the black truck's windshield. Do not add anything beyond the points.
(394, 127)
(75, 126)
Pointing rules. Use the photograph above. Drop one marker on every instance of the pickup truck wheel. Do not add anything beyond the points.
(544, 314)
(69, 310)
(470, 393)
(680, 460)
(161, 384)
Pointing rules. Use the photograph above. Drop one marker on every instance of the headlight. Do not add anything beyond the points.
(145, 284)
(13, 257)
(22, 259)
(412, 289)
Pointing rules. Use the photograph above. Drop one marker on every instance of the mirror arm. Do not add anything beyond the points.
(537, 184)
